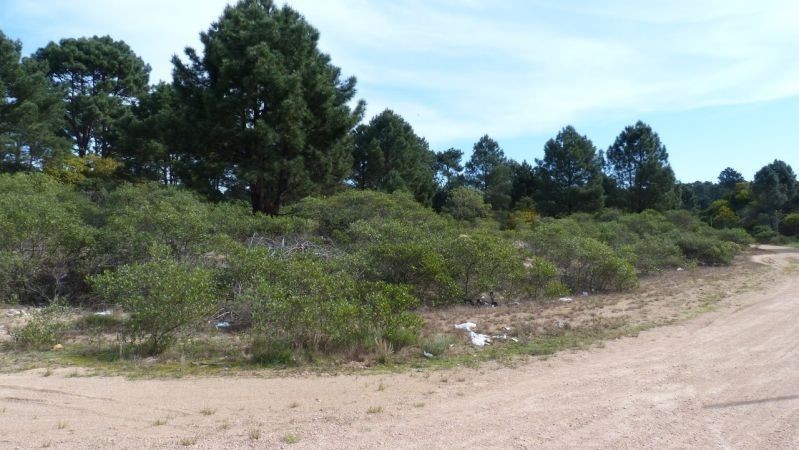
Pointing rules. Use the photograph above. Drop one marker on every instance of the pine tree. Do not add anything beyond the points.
(31, 112)
(270, 113)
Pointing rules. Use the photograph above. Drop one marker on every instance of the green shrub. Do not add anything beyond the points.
(304, 305)
(139, 217)
(336, 213)
(736, 235)
(764, 234)
(437, 344)
(162, 298)
(654, 253)
(482, 262)
(584, 263)
(541, 279)
(707, 250)
(237, 221)
(790, 224)
(465, 203)
(43, 330)
(44, 239)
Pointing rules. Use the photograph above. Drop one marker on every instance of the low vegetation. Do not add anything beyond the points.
(343, 275)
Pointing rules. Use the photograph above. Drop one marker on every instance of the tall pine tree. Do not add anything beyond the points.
(271, 111)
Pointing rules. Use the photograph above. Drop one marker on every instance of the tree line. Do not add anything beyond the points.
(260, 113)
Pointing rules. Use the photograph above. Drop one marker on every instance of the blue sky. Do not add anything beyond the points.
(717, 79)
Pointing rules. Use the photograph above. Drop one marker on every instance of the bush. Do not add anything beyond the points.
(301, 304)
(584, 264)
(707, 250)
(44, 239)
(764, 234)
(541, 279)
(162, 298)
(654, 253)
(736, 235)
(465, 203)
(790, 224)
(43, 330)
(483, 262)
(338, 212)
(139, 217)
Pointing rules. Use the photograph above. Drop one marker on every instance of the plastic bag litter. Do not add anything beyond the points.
(223, 325)
(467, 326)
(566, 299)
(103, 313)
(479, 340)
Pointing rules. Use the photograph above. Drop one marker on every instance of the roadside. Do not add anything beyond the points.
(723, 379)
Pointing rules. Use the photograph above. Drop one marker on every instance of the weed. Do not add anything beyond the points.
(437, 344)
(290, 439)
(61, 425)
(381, 387)
(208, 411)
(294, 405)
(159, 422)
(47, 372)
(374, 410)
(188, 442)
(255, 434)
(418, 405)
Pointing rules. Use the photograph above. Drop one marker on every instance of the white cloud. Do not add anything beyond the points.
(457, 69)
(525, 67)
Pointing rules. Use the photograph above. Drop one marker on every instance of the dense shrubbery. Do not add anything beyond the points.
(333, 274)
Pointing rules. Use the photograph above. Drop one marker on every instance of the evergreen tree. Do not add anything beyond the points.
(388, 156)
(525, 183)
(639, 165)
(488, 170)
(729, 178)
(100, 79)
(570, 175)
(773, 188)
(271, 112)
(150, 136)
(31, 112)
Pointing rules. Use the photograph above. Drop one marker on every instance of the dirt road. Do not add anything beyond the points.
(726, 379)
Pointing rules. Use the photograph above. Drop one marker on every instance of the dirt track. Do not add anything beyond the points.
(726, 379)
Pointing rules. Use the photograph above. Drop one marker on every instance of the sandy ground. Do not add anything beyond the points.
(726, 379)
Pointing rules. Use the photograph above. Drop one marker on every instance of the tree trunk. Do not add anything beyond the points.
(260, 201)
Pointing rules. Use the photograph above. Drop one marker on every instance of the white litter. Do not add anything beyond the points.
(566, 299)
(103, 313)
(479, 340)
(467, 326)
(680, 269)
(428, 355)
(585, 293)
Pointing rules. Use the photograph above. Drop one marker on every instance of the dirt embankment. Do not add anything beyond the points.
(725, 379)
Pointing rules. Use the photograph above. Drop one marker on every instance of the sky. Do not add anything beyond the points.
(718, 80)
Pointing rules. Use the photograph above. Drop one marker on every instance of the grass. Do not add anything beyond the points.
(294, 405)
(255, 434)
(208, 411)
(61, 425)
(290, 439)
(374, 410)
(159, 422)
(188, 442)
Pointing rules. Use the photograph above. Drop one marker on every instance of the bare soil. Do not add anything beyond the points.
(727, 378)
